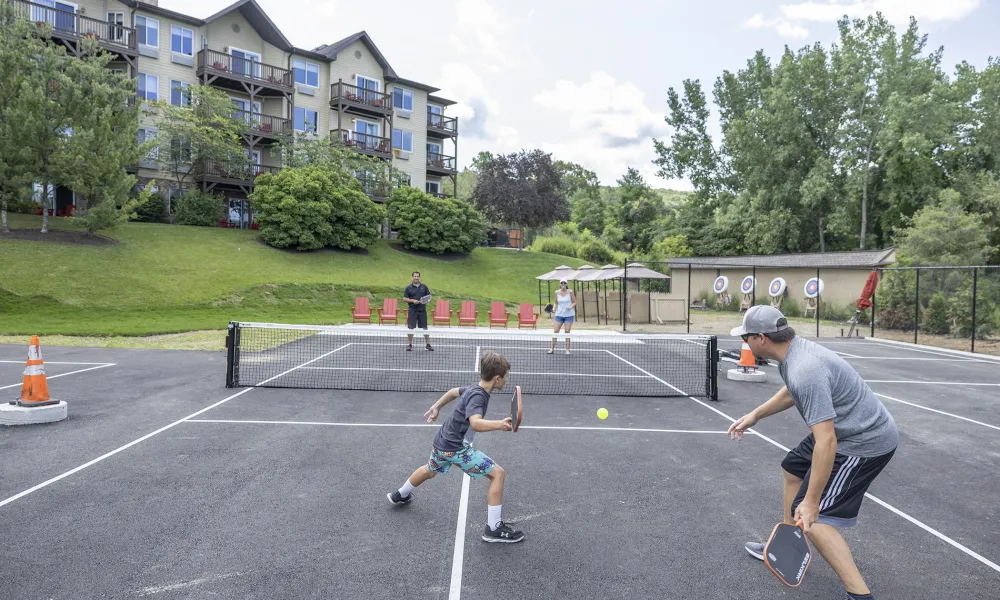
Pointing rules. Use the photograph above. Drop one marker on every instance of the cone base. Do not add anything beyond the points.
(13, 414)
(751, 376)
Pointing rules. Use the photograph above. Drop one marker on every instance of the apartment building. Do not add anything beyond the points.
(346, 89)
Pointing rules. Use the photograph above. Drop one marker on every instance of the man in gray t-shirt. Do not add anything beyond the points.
(853, 438)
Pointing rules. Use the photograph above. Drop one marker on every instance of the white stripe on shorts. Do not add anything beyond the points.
(838, 483)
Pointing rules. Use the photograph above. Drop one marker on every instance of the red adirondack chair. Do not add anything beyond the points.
(498, 314)
(389, 313)
(442, 313)
(527, 317)
(468, 315)
(361, 313)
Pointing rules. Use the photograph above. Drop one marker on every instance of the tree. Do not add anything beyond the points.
(523, 189)
(201, 134)
(307, 208)
(344, 165)
(636, 210)
(433, 224)
(104, 123)
(582, 189)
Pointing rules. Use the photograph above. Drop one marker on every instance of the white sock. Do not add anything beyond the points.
(494, 516)
(406, 489)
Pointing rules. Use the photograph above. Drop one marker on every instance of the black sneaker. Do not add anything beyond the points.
(504, 534)
(396, 498)
(409, 348)
(429, 348)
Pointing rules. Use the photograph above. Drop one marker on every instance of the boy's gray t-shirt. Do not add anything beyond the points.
(455, 433)
(825, 387)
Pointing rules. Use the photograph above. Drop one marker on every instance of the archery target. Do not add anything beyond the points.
(777, 287)
(721, 284)
(748, 284)
(813, 288)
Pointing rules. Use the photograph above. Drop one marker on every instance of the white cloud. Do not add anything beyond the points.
(898, 12)
(477, 110)
(782, 26)
(611, 126)
(478, 25)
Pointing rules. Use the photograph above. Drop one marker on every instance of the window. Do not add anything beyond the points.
(402, 140)
(306, 73)
(148, 31)
(146, 135)
(116, 20)
(434, 115)
(181, 40)
(402, 99)
(246, 63)
(306, 120)
(433, 149)
(368, 90)
(180, 95)
(148, 86)
(433, 187)
(180, 150)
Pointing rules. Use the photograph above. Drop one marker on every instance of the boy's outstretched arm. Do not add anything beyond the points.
(479, 424)
(448, 396)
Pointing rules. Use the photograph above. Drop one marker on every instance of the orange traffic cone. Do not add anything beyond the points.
(747, 361)
(35, 388)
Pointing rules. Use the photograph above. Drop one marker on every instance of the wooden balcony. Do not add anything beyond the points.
(265, 127)
(439, 164)
(243, 75)
(71, 28)
(377, 192)
(440, 126)
(372, 145)
(359, 100)
(235, 173)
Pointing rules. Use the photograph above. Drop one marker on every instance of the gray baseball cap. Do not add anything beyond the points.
(761, 319)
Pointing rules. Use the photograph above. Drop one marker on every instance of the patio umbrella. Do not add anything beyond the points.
(868, 291)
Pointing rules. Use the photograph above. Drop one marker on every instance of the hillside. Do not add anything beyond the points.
(167, 278)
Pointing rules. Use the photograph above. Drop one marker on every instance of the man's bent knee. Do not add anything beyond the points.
(496, 473)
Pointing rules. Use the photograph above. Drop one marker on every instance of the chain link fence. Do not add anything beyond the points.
(953, 307)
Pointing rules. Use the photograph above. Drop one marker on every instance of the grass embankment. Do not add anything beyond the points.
(169, 279)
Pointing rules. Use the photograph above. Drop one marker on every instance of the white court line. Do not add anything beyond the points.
(911, 359)
(55, 362)
(918, 382)
(149, 435)
(456, 371)
(7, 387)
(458, 558)
(908, 347)
(923, 526)
(405, 425)
(846, 355)
(940, 412)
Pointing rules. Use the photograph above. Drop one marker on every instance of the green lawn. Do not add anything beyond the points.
(167, 278)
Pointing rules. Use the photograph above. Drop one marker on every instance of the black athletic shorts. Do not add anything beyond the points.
(849, 480)
(416, 318)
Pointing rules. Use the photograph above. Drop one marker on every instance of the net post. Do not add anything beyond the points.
(232, 341)
(624, 295)
(975, 277)
(687, 310)
(916, 308)
(713, 368)
(818, 300)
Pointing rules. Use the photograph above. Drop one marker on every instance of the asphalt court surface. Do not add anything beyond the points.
(280, 493)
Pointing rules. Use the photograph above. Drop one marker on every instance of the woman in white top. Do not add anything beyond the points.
(565, 312)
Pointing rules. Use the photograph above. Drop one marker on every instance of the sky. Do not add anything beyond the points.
(587, 80)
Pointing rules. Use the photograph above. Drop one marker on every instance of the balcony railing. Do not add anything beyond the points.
(439, 123)
(236, 171)
(440, 162)
(264, 125)
(71, 25)
(345, 93)
(363, 142)
(229, 66)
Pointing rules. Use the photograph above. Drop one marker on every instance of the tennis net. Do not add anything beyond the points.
(361, 358)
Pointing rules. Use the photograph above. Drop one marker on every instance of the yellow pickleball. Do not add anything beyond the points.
(602, 413)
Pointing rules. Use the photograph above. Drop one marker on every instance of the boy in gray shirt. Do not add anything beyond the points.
(853, 438)
(453, 445)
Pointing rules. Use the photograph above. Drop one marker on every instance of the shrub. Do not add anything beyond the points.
(936, 319)
(308, 208)
(594, 251)
(154, 211)
(198, 208)
(555, 245)
(433, 224)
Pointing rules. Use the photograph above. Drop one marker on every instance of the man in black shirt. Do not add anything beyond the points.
(417, 315)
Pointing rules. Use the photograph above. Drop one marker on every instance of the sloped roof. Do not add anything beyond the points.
(854, 259)
(332, 50)
(259, 20)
